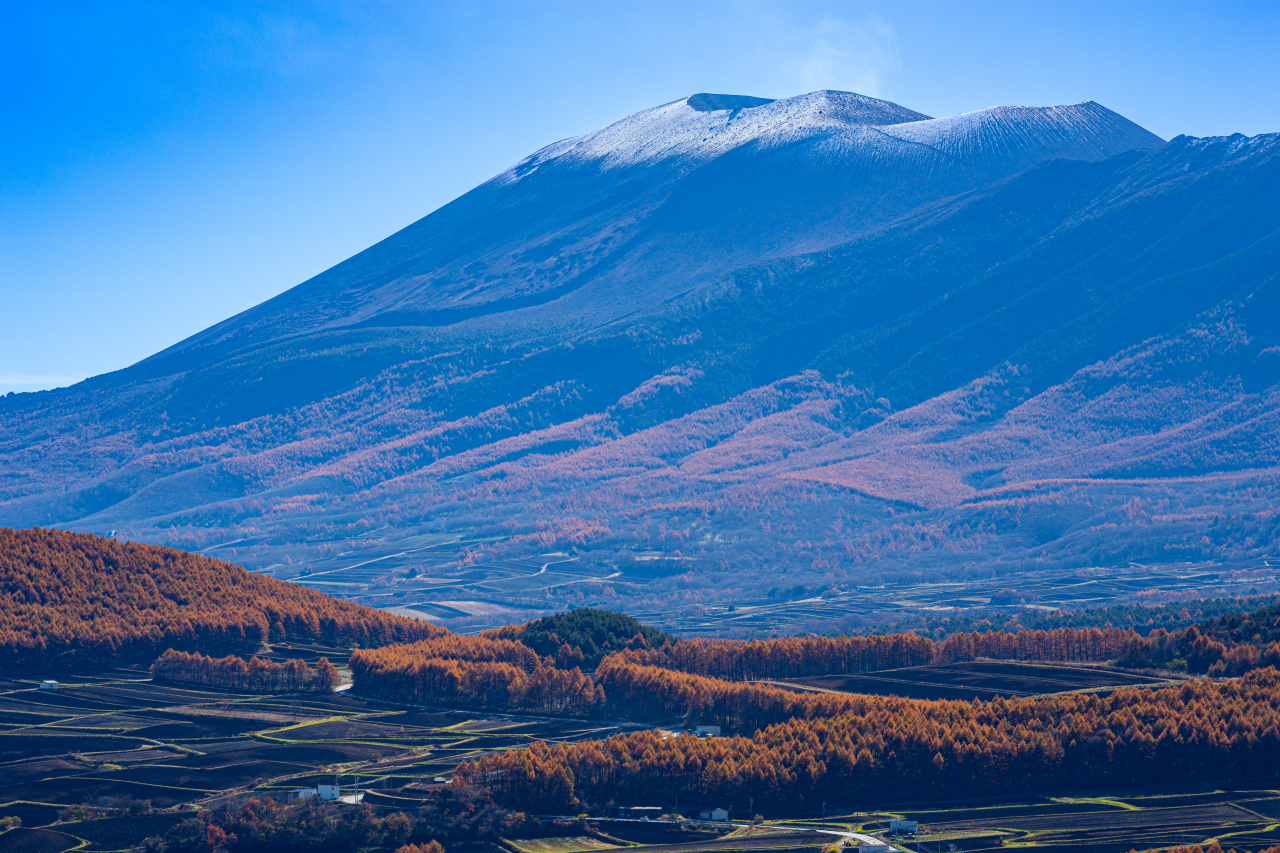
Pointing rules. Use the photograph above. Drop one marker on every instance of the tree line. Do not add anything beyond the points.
(1190, 650)
(1058, 644)
(891, 748)
(461, 647)
(709, 681)
(74, 598)
(235, 673)
(792, 657)
(651, 693)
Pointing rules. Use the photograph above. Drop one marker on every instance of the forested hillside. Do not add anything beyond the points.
(585, 635)
(74, 599)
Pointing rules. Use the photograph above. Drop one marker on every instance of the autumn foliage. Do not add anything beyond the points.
(798, 657)
(72, 598)
(477, 674)
(429, 847)
(885, 748)
(1061, 644)
(1194, 651)
(460, 647)
(235, 673)
(716, 681)
(652, 693)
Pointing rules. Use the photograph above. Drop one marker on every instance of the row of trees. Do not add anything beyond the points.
(1060, 644)
(1226, 647)
(398, 673)
(708, 681)
(1193, 651)
(73, 598)
(895, 748)
(461, 647)
(796, 657)
(652, 693)
(235, 673)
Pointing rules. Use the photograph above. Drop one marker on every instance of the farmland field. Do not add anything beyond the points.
(103, 741)
(23, 840)
(569, 844)
(467, 596)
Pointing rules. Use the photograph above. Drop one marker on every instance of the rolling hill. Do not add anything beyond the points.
(78, 600)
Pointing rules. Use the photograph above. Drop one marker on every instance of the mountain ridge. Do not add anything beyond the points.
(564, 261)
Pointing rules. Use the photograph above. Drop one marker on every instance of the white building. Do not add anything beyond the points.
(716, 813)
(49, 685)
(329, 792)
(708, 731)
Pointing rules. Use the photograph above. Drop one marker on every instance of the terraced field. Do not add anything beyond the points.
(108, 740)
(105, 741)
(1114, 824)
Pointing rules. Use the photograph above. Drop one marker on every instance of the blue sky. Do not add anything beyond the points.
(164, 166)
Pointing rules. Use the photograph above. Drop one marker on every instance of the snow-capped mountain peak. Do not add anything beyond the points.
(703, 126)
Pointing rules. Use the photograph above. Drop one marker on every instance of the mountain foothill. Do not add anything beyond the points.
(826, 336)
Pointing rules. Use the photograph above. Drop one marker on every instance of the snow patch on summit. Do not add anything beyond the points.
(1086, 131)
(1018, 137)
(678, 130)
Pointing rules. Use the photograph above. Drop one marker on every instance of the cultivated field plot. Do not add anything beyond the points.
(1117, 823)
(980, 679)
(421, 577)
(425, 576)
(1114, 824)
(108, 741)
(704, 838)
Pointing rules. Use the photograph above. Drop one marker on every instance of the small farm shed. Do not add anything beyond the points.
(714, 813)
(48, 685)
(643, 812)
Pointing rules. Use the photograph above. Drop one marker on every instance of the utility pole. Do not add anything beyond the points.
(824, 809)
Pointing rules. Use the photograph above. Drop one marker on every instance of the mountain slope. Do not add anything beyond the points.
(993, 357)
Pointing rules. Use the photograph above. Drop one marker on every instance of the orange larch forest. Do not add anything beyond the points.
(72, 598)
